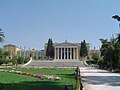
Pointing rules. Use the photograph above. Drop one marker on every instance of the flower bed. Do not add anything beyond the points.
(40, 76)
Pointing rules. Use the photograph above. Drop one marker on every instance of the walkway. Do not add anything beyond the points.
(97, 79)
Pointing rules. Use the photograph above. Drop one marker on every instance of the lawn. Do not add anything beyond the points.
(11, 81)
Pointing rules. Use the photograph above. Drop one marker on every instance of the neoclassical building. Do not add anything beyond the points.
(67, 50)
(12, 49)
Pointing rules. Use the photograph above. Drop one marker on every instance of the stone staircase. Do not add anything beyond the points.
(55, 63)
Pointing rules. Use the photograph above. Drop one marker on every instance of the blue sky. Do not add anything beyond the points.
(31, 23)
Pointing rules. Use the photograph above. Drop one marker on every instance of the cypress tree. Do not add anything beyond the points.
(50, 49)
(83, 49)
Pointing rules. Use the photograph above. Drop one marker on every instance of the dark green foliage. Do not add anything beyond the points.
(20, 60)
(14, 60)
(50, 49)
(101, 63)
(1, 61)
(83, 49)
(118, 38)
(1, 36)
(95, 57)
(3, 56)
(26, 59)
(116, 17)
(110, 51)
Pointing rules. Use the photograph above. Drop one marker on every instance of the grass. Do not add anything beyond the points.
(10, 81)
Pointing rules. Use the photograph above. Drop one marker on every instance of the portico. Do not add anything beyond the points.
(66, 51)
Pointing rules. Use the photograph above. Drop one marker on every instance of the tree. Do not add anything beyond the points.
(1, 36)
(95, 57)
(50, 49)
(3, 56)
(110, 51)
(118, 19)
(83, 49)
(118, 38)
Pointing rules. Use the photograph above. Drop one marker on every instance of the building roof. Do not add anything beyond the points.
(10, 45)
(66, 44)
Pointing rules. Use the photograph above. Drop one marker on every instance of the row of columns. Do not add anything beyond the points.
(66, 53)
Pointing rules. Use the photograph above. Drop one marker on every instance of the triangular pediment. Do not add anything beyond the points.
(66, 44)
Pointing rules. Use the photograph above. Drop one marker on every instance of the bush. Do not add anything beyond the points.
(6, 61)
(1, 61)
(95, 57)
(101, 63)
(26, 60)
(20, 60)
(14, 61)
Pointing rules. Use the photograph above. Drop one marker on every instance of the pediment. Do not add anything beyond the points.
(66, 44)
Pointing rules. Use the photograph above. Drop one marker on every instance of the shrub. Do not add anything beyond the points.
(26, 60)
(1, 61)
(20, 60)
(95, 57)
(101, 62)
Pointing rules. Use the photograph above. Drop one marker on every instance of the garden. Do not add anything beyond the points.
(17, 78)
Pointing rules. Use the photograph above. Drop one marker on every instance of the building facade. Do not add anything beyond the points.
(67, 50)
(12, 49)
(35, 54)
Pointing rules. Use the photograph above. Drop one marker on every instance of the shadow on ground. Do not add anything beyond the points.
(100, 80)
(32, 85)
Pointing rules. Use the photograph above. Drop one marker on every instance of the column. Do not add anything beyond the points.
(58, 53)
(73, 53)
(55, 53)
(70, 53)
(67, 53)
(77, 52)
(61, 53)
(64, 53)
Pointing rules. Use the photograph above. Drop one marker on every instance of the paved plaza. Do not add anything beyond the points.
(96, 79)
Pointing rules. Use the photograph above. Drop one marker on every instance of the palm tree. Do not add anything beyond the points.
(1, 36)
(118, 38)
(118, 19)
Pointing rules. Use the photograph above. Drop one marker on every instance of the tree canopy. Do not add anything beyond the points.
(50, 49)
(1, 36)
(116, 17)
(83, 49)
(110, 51)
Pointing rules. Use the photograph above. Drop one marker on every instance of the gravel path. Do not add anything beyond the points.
(97, 79)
